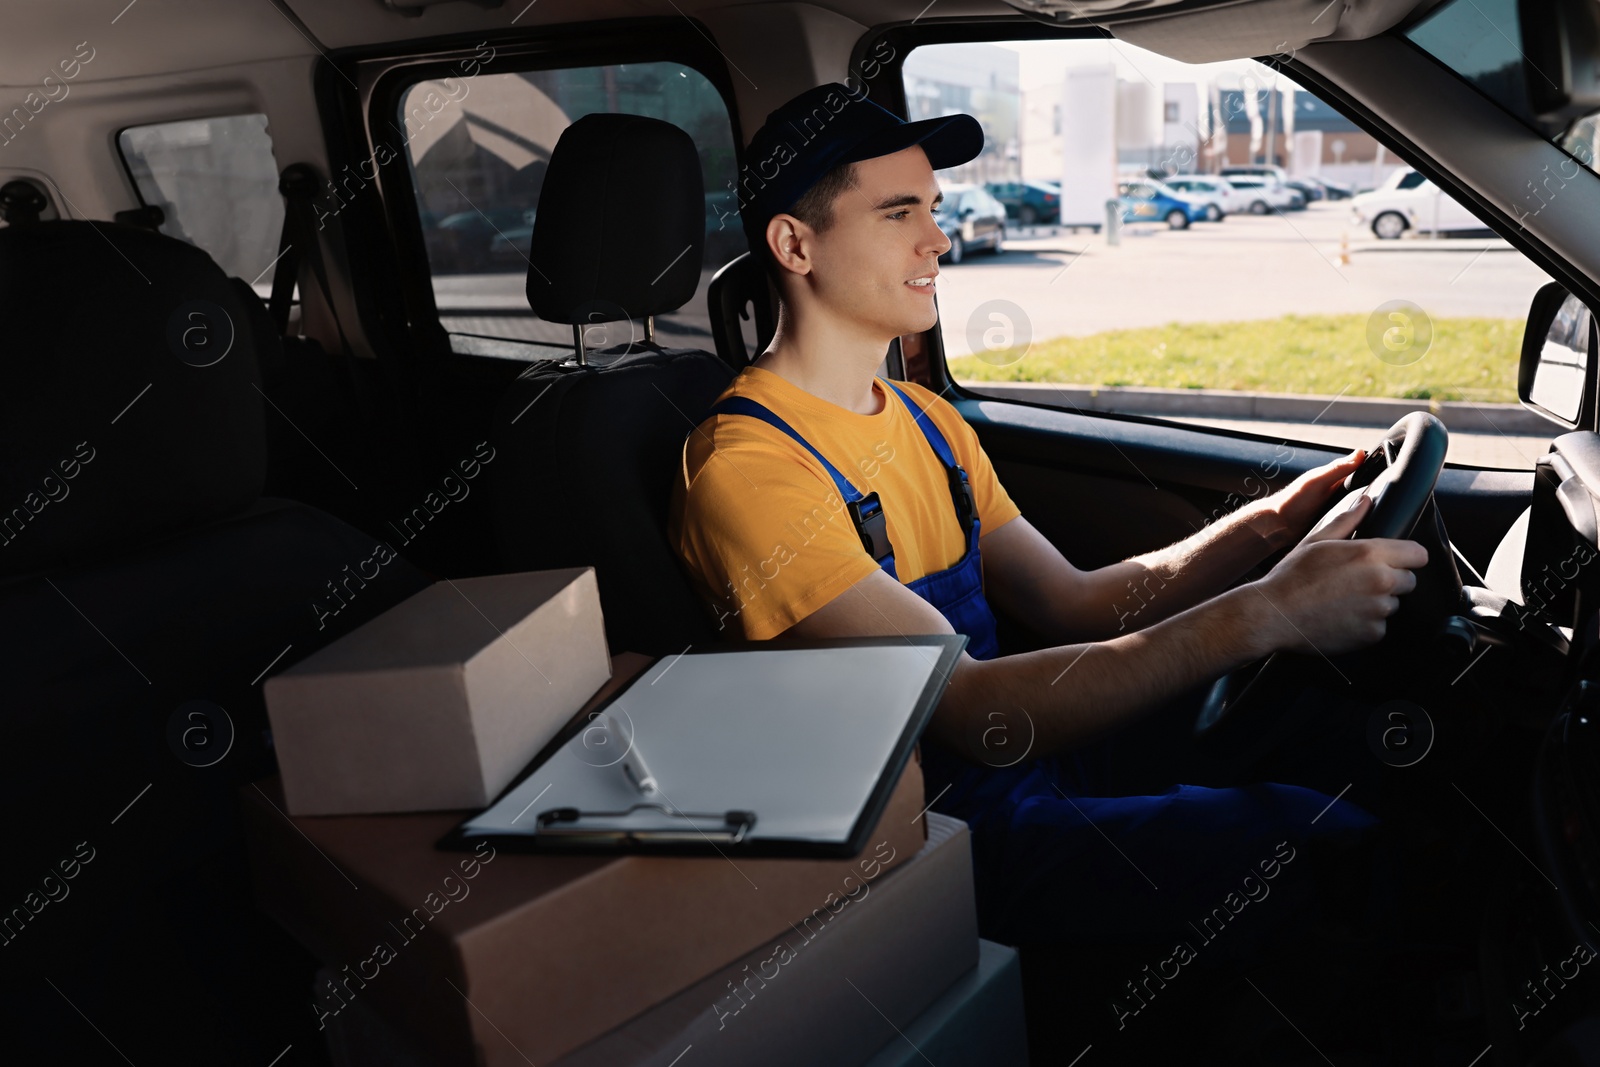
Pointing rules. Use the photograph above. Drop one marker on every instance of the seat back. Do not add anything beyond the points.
(741, 284)
(587, 454)
(145, 590)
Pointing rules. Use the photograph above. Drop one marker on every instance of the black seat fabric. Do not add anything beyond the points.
(144, 579)
(588, 453)
(740, 291)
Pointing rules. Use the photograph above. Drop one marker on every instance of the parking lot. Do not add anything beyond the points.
(1245, 267)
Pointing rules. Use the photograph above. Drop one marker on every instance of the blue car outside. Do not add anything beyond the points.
(1150, 201)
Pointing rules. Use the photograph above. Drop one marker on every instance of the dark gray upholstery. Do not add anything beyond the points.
(588, 454)
(150, 576)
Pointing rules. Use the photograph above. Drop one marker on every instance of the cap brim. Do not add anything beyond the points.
(949, 141)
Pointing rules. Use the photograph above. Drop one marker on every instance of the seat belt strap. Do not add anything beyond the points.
(299, 243)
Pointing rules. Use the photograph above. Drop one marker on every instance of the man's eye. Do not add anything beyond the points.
(899, 214)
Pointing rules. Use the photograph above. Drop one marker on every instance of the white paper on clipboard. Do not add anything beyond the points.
(798, 736)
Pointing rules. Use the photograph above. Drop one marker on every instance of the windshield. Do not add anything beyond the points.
(1482, 41)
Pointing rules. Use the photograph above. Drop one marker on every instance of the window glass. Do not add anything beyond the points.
(1482, 41)
(216, 181)
(478, 160)
(1411, 181)
(1321, 314)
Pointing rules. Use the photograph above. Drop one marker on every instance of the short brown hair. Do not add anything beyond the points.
(814, 208)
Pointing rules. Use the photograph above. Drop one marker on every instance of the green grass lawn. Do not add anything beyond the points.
(1468, 359)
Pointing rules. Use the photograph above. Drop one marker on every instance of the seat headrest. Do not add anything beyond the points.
(129, 392)
(620, 228)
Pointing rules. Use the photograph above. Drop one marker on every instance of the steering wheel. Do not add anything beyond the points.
(1245, 714)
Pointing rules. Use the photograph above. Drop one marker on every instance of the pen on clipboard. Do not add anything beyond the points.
(633, 764)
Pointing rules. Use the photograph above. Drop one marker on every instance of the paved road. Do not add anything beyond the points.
(1245, 267)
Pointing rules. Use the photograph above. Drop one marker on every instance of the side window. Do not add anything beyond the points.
(478, 163)
(216, 182)
(1317, 315)
(1412, 180)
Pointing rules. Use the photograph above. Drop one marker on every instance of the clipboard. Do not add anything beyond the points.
(772, 748)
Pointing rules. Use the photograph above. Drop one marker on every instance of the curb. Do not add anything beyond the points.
(1459, 415)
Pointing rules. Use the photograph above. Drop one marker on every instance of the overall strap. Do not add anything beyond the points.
(865, 511)
(742, 405)
(941, 448)
(960, 487)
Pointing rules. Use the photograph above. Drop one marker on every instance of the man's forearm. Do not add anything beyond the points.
(1058, 698)
(1138, 592)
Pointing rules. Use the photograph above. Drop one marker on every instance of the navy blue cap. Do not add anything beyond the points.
(826, 127)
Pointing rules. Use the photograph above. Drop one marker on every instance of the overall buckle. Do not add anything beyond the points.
(961, 493)
(871, 526)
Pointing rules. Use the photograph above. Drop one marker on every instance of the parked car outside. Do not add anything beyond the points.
(475, 241)
(971, 219)
(1151, 201)
(1331, 189)
(1028, 202)
(1308, 189)
(1267, 194)
(1208, 187)
(1409, 201)
(508, 249)
(1256, 170)
(725, 237)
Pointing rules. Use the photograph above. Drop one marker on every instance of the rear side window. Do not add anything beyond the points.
(216, 181)
(478, 163)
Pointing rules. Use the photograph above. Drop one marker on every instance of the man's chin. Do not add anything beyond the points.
(918, 324)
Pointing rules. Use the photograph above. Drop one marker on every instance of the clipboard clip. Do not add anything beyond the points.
(729, 827)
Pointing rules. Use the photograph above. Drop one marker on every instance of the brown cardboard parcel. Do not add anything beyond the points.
(552, 950)
(867, 975)
(437, 703)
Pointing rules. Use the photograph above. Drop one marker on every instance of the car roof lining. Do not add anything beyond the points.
(155, 37)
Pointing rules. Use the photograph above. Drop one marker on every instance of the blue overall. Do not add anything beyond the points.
(1059, 856)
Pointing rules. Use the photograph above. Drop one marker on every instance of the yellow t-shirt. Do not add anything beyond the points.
(766, 536)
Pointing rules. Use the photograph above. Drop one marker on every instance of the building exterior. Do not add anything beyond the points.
(1304, 135)
(975, 79)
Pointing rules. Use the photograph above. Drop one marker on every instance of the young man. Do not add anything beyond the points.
(821, 501)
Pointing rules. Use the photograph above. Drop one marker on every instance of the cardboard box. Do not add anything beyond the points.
(905, 943)
(839, 992)
(437, 703)
(526, 957)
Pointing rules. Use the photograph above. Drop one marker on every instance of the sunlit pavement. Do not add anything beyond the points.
(1245, 267)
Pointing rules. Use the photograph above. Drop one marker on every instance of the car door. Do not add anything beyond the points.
(1438, 210)
(991, 217)
(1141, 203)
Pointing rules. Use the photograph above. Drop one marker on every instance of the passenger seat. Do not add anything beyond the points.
(589, 451)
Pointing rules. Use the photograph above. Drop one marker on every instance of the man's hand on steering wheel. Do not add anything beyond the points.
(1292, 510)
(1333, 594)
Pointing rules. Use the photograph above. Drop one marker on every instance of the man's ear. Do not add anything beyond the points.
(788, 239)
